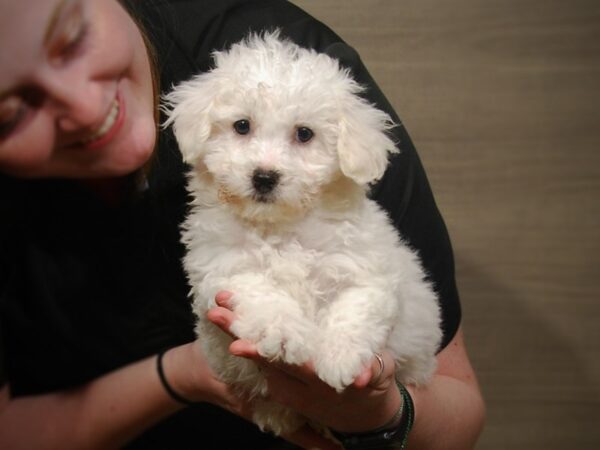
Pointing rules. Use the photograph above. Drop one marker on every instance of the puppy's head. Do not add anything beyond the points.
(273, 125)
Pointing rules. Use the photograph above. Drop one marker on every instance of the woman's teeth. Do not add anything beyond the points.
(107, 125)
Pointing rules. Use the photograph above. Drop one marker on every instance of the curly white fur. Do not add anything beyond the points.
(317, 270)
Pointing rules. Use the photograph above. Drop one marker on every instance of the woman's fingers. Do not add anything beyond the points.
(222, 314)
(221, 317)
(302, 372)
(378, 373)
(245, 349)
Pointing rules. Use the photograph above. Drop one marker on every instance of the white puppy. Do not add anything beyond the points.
(283, 150)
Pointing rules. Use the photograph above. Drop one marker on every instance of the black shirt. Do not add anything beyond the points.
(86, 288)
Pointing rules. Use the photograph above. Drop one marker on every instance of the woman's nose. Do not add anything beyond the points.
(78, 105)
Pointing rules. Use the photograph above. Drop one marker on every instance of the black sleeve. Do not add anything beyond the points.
(3, 373)
(9, 201)
(198, 27)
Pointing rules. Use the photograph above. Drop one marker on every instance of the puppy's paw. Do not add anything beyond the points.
(338, 364)
(286, 341)
(281, 338)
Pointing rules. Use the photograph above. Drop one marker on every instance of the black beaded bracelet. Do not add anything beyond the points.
(163, 379)
(383, 439)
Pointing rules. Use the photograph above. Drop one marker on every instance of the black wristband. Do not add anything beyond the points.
(163, 379)
(387, 439)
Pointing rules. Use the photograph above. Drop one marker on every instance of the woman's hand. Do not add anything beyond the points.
(370, 402)
(188, 373)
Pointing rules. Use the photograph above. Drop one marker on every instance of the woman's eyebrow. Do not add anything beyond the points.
(59, 10)
(54, 19)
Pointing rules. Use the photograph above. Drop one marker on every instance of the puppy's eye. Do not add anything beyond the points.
(242, 126)
(304, 134)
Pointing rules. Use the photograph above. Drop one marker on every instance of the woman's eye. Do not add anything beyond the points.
(70, 35)
(12, 112)
(73, 43)
(304, 134)
(242, 126)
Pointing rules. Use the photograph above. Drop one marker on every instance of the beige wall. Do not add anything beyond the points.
(502, 98)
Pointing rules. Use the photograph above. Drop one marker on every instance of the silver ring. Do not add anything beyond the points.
(375, 379)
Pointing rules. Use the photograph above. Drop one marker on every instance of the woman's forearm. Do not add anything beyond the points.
(105, 413)
(449, 416)
(111, 410)
(449, 412)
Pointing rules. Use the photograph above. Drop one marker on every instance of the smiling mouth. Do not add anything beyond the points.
(106, 126)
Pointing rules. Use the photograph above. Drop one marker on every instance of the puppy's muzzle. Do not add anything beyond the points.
(265, 182)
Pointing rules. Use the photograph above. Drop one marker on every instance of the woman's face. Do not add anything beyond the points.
(76, 93)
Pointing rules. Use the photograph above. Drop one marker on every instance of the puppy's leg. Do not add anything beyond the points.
(356, 326)
(271, 318)
(416, 337)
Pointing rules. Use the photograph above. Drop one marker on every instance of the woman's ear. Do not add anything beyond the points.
(363, 142)
(188, 108)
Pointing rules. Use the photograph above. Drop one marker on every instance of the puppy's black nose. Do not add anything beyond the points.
(264, 181)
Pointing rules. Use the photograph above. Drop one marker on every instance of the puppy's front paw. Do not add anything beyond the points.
(286, 339)
(338, 364)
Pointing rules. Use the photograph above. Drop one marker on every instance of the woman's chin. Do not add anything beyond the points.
(132, 153)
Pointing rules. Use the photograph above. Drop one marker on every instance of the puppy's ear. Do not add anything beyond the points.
(363, 144)
(188, 108)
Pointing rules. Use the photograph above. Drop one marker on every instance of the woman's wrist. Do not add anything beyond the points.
(166, 384)
(393, 435)
(375, 417)
(175, 369)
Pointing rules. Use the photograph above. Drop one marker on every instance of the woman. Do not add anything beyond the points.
(91, 287)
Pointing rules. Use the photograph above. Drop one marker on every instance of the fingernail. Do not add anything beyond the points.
(222, 299)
